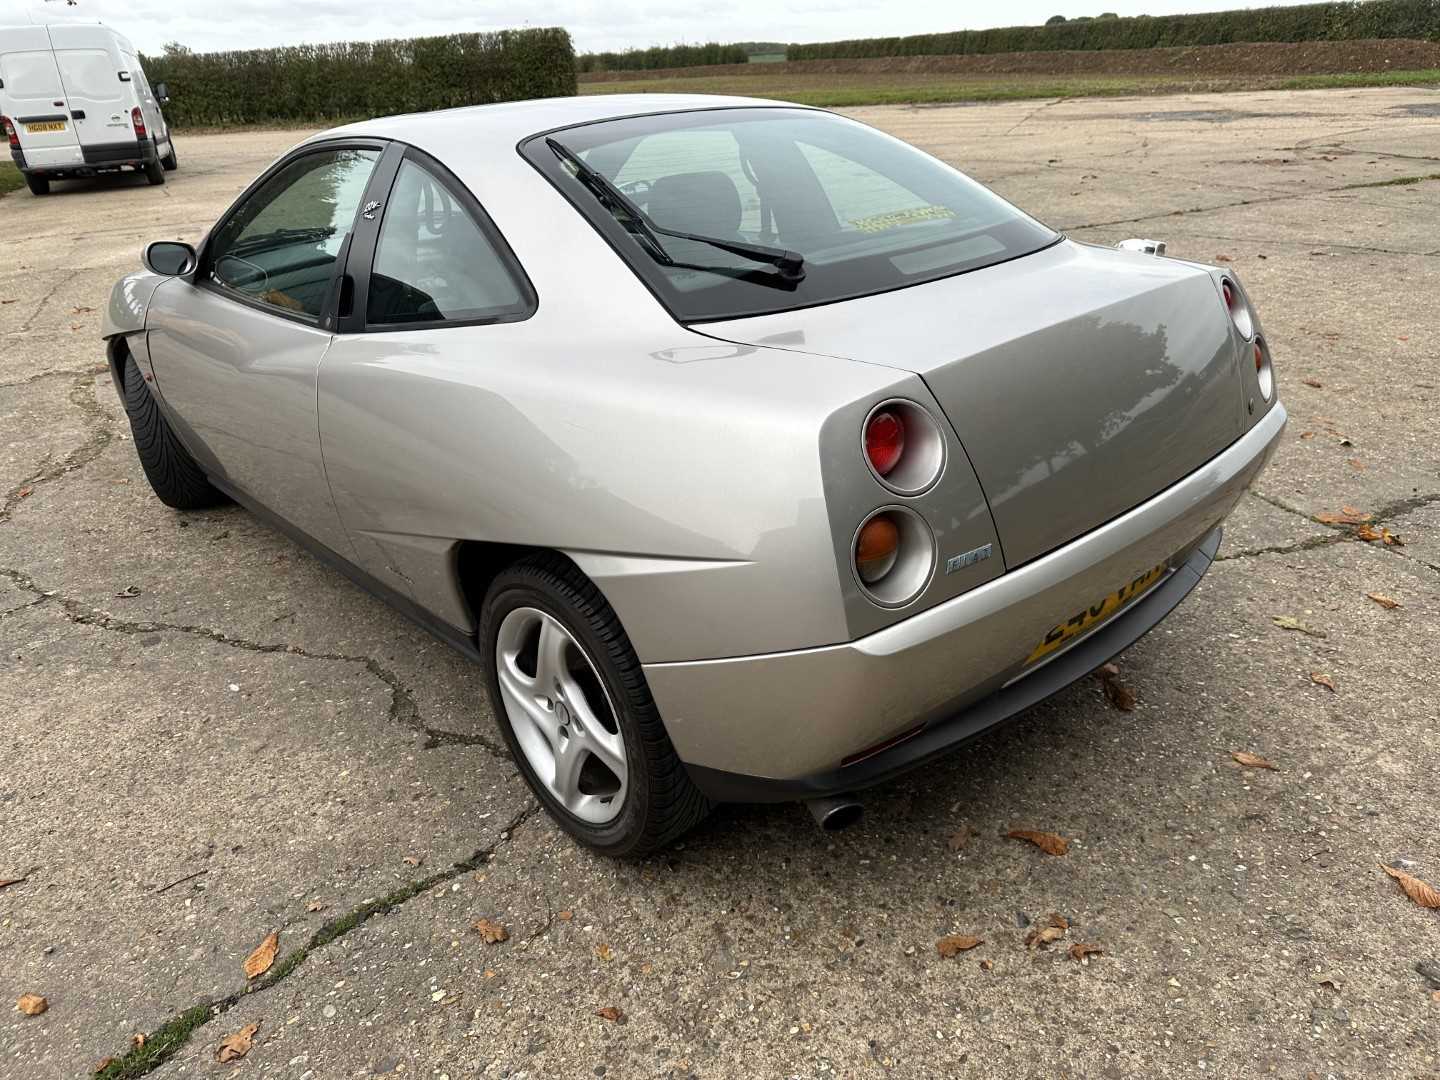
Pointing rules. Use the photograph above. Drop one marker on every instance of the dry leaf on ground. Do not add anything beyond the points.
(23, 492)
(137, 1040)
(1056, 919)
(1289, 622)
(1253, 761)
(955, 944)
(32, 1004)
(987, 965)
(1047, 842)
(1079, 951)
(603, 952)
(411, 860)
(565, 916)
(1118, 694)
(259, 961)
(1384, 601)
(1368, 533)
(314, 905)
(960, 837)
(1106, 671)
(490, 931)
(1347, 516)
(1424, 894)
(103, 1064)
(1043, 935)
(613, 1013)
(6, 882)
(1316, 383)
(236, 1046)
(1319, 678)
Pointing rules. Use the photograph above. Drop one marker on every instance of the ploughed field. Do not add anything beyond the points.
(209, 736)
(996, 76)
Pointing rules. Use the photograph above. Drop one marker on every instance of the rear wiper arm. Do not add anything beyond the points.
(791, 264)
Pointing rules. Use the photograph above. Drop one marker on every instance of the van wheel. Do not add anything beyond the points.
(170, 161)
(38, 185)
(154, 172)
(174, 475)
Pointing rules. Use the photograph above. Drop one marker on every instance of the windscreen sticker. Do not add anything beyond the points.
(881, 222)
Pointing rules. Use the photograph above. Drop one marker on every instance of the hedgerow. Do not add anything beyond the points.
(345, 80)
(1337, 21)
(663, 56)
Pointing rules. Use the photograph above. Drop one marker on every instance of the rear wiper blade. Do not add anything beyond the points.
(279, 237)
(791, 264)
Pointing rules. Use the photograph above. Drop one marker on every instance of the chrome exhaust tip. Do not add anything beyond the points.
(835, 812)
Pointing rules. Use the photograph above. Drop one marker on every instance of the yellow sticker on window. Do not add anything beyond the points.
(881, 222)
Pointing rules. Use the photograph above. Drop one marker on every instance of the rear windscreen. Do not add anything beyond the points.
(30, 75)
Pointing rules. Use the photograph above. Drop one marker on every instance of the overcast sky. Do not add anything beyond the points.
(206, 25)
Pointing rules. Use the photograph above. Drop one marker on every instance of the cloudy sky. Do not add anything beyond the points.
(205, 25)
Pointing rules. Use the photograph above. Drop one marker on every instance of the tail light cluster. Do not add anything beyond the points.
(1244, 319)
(10, 133)
(894, 550)
(137, 121)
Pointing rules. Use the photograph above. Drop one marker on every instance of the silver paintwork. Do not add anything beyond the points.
(804, 711)
(709, 479)
(558, 720)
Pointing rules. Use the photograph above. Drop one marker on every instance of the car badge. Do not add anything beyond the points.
(368, 213)
(967, 558)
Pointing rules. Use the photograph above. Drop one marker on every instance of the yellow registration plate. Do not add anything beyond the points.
(45, 125)
(1088, 618)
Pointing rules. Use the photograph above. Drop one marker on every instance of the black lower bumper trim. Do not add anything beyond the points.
(940, 738)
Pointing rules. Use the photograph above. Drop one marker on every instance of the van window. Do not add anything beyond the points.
(89, 73)
(30, 75)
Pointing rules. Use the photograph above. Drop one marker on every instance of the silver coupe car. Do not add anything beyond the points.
(759, 455)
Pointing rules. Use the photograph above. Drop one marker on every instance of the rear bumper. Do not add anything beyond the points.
(67, 161)
(778, 726)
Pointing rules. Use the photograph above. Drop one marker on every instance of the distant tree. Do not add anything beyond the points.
(174, 48)
(1083, 18)
(1107, 15)
(1055, 20)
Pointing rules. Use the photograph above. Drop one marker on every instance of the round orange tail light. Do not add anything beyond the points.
(876, 548)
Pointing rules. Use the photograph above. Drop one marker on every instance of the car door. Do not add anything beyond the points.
(35, 99)
(98, 99)
(414, 372)
(237, 346)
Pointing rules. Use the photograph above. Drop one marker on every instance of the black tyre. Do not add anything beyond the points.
(38, 185)
(154, 172)
(172, 472)
(572, 702)
(170, 162)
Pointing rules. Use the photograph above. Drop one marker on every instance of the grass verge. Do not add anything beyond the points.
(10, 178)
(897, 88)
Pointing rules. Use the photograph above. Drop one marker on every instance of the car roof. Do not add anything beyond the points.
(505, 124)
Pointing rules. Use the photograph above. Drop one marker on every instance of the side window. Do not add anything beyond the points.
(434, 262)
(280, 246)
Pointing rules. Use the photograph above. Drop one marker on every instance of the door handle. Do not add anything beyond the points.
(77, 114)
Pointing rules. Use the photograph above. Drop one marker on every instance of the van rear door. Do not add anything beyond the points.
(33, 97)
(100, 97)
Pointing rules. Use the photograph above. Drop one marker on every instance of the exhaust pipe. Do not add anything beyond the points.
(835, 812)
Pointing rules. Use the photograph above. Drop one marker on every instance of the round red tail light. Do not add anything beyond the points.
(1238, 308)
(884, 441)
(876, 548)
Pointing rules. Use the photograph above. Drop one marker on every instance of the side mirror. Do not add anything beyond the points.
(1145, 247)
(169, 257)
(162, 93)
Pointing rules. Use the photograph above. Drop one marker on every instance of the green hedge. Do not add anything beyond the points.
(1343, 20)
(663, 56)
(344, 80)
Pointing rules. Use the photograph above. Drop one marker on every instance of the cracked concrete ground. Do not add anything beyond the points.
(242, 742)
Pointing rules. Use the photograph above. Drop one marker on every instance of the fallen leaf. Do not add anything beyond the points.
(1384, 601)
(103, 1064)
(236, 1046)
(1223, 258)
(960, 837)
(1289, 622)
(1106, 671)
(80, 309)
(1356, 464)
(1435, 996)
(137, 1040)
(1047, 842)
(314, 905)
(128, 592)
(987, 965)
(1316, 383)
(602, 951)
(955, 944)
(1119, 695)
(565, 916)
(491, 932)
(10, 301)
(1427, 896)
(1253, 761)
(1347, 516)
(1043, 935)
(5, 882)
(1391, 539)
(1321, 679)
(32, 1004)
(410, 860)
(613, 1013)
(23, 492)
(1079, 951)
(259, 961)
(1056, 919)
(1307, 434)
(1368, 533)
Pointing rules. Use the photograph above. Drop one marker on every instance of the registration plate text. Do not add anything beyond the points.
(1087, 618)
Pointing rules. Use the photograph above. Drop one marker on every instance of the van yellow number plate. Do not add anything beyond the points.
(1091, 617)
(45, 125)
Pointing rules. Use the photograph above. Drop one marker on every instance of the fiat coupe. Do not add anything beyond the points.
(758, 455)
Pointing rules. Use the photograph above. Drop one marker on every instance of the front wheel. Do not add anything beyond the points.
(174, 475)
(571, 700)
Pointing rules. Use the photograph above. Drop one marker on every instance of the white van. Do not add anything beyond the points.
(74, 101)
